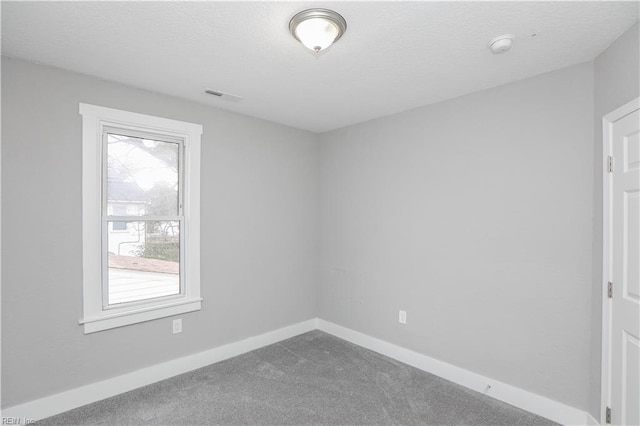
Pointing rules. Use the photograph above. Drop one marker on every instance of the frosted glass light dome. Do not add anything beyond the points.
(317, 29)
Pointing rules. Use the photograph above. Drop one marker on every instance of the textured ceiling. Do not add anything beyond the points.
(394, 56)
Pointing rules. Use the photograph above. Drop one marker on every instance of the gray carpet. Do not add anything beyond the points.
(313, 378)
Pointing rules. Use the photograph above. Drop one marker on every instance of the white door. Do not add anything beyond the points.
(624, 134)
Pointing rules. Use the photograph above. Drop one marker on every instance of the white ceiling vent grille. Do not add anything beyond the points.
(222, 95)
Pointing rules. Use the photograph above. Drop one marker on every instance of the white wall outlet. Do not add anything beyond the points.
(402, 317)
(177, 326)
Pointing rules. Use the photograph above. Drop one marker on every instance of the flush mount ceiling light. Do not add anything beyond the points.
(317, 29)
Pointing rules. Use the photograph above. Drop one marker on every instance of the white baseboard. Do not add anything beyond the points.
(517, 397)
(68, 400)
(65, 401)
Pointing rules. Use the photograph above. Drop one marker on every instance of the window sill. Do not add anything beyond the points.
(120, 319)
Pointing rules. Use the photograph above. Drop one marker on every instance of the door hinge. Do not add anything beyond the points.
(607, 416)
(610, 164)
(610, 290)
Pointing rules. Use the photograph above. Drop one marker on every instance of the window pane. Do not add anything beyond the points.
(142, 176)
(119, 210)
(119, 226)
(144, 261)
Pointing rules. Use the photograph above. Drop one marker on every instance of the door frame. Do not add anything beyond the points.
(607, 149)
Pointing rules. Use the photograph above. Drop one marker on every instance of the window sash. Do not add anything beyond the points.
(106, 131)
(105, 265)
(106, 217)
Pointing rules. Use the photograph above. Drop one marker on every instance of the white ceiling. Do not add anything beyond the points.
(394, 55)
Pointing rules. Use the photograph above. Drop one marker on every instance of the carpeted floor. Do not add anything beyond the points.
(313, 378)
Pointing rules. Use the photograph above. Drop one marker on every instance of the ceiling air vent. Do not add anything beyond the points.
(222, 95)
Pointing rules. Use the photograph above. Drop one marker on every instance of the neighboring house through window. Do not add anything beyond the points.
(141, 219)
(119, 209)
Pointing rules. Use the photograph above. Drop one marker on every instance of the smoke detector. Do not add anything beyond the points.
(501, 44)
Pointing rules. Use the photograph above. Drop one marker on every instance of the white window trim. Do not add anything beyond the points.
(94, 120)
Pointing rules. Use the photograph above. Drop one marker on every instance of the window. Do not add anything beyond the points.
(141, 218)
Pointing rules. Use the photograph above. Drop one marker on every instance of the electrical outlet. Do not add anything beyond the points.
(177, 326)
(402, 317)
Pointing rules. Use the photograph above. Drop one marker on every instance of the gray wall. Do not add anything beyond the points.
(474, 216)
(259, 224)
(616, 82)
